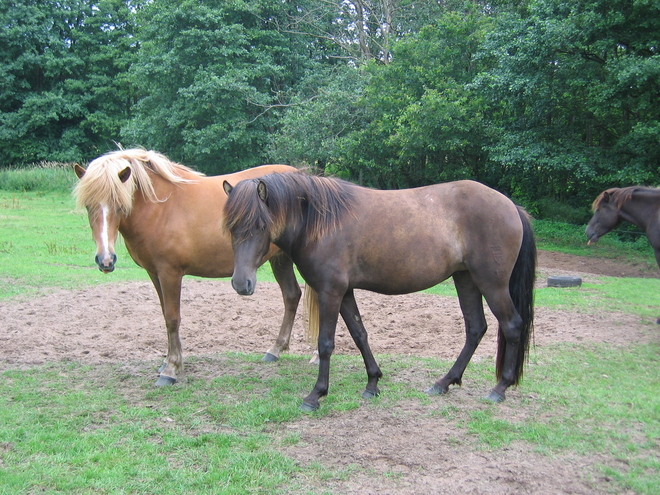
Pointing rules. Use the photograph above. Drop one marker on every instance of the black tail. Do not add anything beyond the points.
(521, 288)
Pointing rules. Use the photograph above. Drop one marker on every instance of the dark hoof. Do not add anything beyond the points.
(164, 381)
(494, 397)
(658, 321)
(162, 368)
(436, 390)
(308, 408)
(368, 394)
(269, 358)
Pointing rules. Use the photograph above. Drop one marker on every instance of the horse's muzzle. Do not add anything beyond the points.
(244, 289)
(107, 264)
(592, 237)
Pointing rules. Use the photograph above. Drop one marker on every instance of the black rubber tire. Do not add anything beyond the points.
(564, 281)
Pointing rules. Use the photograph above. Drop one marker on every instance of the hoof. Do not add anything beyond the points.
(164, 381)
(435, 390)
(368, 394)
(658, 321)
(269, 358)
(162, 368)
(494, 397)
(315, 358)
(308, 408)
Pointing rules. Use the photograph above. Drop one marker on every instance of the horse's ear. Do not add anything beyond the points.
(606, 197)
(79, 171)
(262, 191)
(125, 174)
(227, 187)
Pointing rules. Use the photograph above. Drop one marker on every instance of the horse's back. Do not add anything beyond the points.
(255, 172)
(407, 240)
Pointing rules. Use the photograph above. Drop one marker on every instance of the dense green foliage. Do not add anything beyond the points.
(549, 101)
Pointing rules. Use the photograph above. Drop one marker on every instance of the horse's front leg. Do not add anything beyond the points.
(328, 315)
(169, 293)
(283, 271)
(351, 315)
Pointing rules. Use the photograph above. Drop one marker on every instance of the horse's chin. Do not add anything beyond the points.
(107, 270)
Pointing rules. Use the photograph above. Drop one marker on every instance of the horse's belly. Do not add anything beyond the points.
(405, 275)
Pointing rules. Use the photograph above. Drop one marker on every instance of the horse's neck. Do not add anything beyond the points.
(643, 210)
(143, 208)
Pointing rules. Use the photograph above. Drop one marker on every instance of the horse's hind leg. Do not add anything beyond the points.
(469, 297)
(169, 294)
(509, 343)
(351, 315)
(283, 270)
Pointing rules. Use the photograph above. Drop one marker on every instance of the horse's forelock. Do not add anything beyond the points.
(245, 209)
(101, 185)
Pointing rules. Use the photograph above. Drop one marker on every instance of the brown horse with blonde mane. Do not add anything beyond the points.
(167, 214)
(344, 237)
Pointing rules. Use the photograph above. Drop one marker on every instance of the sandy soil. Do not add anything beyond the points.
(408, 450)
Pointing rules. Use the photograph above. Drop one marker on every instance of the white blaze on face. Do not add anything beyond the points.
(104, 229)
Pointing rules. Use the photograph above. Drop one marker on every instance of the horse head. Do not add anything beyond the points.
(606, 216)
(104, 215)
(248, 224)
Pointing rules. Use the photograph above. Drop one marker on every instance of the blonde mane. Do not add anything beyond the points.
(101, 183)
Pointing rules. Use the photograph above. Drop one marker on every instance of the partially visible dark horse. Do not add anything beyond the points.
(635, 204)
(344, 237)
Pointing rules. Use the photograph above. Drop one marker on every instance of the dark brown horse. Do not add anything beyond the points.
(344, 237)
(637, 205)
(168, 216)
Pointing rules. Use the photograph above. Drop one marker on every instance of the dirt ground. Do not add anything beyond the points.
(408, 450)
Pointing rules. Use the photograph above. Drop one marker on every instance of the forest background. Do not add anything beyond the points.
(548, 101)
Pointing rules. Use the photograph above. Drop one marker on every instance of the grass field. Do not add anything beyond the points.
(67, 428)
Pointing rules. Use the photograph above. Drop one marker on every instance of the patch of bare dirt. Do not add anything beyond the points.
(409, 449)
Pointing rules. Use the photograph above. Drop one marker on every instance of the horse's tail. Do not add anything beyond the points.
(311, 309)
(521, 288)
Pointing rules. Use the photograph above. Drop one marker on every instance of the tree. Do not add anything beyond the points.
(63, 93)
(573, 93)
(361, 30)
(213, 77)
(424, 122)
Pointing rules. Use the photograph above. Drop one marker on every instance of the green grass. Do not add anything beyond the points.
(68, 428)
(44, 177)
(45, 243)
(571, 239)
(591, 400)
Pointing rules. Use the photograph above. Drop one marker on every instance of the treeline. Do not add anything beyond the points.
(549, 101)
